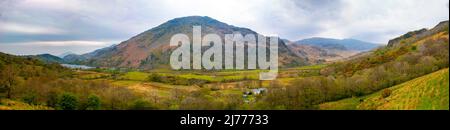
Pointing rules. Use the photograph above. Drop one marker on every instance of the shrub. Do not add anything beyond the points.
(142, 105)
(30, 99)
(154, 77)
(68, 101)
(52, 99)
(93, 102)
(386, 93)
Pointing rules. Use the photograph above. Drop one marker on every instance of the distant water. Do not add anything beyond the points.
(76, 66)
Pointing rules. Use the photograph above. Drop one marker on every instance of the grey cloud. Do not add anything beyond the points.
(94, 20)
(320, 9)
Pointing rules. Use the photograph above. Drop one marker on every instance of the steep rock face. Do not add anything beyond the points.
(150, 49)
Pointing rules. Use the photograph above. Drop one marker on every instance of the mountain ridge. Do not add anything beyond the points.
(339, 44)
(150, 49)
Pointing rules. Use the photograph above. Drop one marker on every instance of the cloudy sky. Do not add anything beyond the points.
(80, 26)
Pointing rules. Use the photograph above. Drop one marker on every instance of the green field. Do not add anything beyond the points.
(216, 76)
(429, 92)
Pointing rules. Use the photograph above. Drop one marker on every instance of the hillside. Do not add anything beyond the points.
(319, 55)
(327, 50)
(45, 61)
(316, 55)
(429, 92)
(15, 70)
(65, 54)
(338, 44)
(6, 104)
(418, 34)
(432, 42)
(366, 73)
(150, 49)
(48, 58)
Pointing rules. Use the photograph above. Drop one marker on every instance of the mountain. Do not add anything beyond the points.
(320, 54)
(418, 34)
(339, 44)
(65, 54)
(80, 59)
(47, 58)
(315, 55)
(415, 45)
(150, 49)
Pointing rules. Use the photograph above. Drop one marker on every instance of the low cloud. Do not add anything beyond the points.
(29, 29)
(53, 47)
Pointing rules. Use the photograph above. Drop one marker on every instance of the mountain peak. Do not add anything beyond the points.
(65, 54)
(151, 49)
(193, 20)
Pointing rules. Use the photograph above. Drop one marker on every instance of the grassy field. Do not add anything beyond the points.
(218, 76)
(6, 104)
(224, 77)
(223, 84)
(429, 92)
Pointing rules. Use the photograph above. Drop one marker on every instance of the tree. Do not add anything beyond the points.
(93, 102)
(30, 99)
(52, 99)
(8, 79)
(68, 101)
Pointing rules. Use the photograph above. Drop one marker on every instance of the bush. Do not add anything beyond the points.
(386, 93)
(154, 77)
(93, 102)
(52, 99)
(142, 105)
(30, 99)
(68, 101)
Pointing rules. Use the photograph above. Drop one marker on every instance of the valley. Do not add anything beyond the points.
(410, 73)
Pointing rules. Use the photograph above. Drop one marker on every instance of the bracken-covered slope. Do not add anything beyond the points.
(426, 42)
(421, 55)
(429, 92)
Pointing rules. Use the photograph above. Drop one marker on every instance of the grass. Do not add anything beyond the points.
(135, 75)
(311, 67)
(91, 75)
(429, 92)
(212, 76)
(6, 104)
(227, 82)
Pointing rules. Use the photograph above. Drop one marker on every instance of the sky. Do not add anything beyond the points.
(58, 26)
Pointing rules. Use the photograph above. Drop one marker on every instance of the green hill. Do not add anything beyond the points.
(48, 58)
(429, 92)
